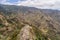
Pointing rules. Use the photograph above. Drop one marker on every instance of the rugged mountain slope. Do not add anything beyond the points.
(18, 30)
(55, 14)
(15, 21)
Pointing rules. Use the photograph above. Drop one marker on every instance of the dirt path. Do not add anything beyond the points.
(26, 33)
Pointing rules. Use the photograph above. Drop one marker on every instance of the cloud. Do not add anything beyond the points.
(2, 1)
(50, 4)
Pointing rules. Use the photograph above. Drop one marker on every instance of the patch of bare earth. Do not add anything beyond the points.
(26, 33)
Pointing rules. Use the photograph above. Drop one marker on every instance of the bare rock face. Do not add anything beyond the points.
(26, 33)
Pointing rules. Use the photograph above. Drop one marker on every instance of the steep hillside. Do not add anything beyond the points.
(55, 14)
(27, 23)
(14, 29)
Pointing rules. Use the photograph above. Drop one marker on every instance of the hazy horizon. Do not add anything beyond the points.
(44, 4)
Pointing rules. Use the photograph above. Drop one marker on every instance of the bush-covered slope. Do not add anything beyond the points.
(13, 29)
(16, 21)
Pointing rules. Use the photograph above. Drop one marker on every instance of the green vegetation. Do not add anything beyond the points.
(14, 18)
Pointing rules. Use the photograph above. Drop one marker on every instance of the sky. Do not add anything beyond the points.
(45, 4)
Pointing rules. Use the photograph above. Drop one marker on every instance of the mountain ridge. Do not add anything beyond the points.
(15, 18)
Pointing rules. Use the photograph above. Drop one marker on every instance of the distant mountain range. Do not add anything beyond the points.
(42, 24)
(55, 14)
